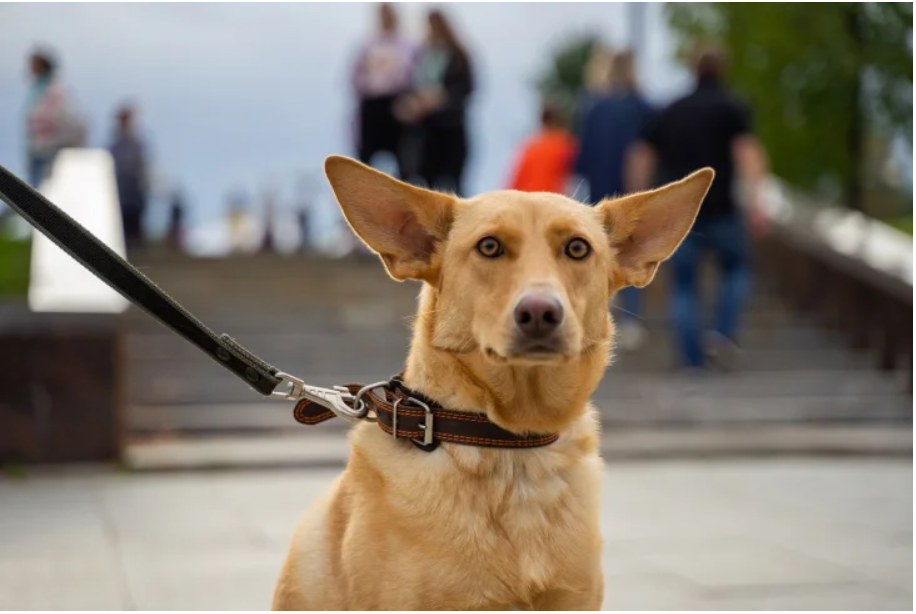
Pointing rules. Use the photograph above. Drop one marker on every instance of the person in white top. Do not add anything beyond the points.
(51, 122)
(382, 73)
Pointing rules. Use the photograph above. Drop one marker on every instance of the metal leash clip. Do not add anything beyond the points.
(338, 399)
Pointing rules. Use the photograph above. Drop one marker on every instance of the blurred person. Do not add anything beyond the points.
(175, 233)
(268, 238)
(239, 222)
(595, 83)
(436, 108)
(708, 127)
(303, 221)
(545, 162)
(131, 173)
(382, 73)
(51, 122)
(305, 210)
(611, 125)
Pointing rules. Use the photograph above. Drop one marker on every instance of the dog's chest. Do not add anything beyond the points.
(534, 511)
(520, 528)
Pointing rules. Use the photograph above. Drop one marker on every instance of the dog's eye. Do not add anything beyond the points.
(577, 249)
(490, 247)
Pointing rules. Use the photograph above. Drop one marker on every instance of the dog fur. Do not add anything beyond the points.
(466, 527)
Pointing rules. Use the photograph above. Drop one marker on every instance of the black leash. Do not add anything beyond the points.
(132, 284)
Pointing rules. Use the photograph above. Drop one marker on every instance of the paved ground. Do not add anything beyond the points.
(778, 534)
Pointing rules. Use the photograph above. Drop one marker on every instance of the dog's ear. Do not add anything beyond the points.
(646, 228)
(402, 223)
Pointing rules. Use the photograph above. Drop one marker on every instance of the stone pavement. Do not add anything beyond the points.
(799, 534)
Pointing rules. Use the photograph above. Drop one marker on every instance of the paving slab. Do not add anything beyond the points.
(778, 534)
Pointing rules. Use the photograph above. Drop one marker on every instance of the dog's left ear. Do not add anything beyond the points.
(646, 228)
(403, 224)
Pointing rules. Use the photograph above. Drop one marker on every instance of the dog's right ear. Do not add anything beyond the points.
(647, 227)
(403, 224)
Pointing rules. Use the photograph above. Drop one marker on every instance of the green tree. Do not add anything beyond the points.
(826, 81)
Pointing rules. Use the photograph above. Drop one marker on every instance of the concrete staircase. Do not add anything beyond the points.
(334, 322)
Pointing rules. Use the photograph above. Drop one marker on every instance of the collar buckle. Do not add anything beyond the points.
(428, 422)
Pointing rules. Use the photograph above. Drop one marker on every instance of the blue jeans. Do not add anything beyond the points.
(727, 239)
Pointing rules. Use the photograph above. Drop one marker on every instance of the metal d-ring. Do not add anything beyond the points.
(358, 398)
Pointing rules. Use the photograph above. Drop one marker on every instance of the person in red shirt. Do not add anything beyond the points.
(546, 160)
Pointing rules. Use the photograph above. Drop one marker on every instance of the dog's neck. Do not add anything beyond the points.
(522, 399)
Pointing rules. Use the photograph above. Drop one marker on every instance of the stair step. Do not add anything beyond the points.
(165, 345)
(638, 400)
(261, 316)
(311, 449)
(705, 410)
(778, 384)
(198, 379)
(321, 318)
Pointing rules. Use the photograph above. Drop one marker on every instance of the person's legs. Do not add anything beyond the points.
(457, 159)
(129, 224)
(685, 299)
(728, 237)
(410, 154)
(369, 137)
(433, 145)
(132, 219)
(390, 133)
(445, 159)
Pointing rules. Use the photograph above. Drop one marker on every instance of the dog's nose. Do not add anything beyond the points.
(538, 316)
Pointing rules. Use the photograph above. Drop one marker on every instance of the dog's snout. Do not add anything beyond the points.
(538, 316)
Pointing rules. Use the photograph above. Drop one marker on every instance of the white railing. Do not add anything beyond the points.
(82, 183)
(848, 232)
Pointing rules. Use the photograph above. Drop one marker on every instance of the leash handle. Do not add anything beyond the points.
(123, 277)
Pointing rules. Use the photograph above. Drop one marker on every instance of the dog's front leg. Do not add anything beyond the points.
(562, 599)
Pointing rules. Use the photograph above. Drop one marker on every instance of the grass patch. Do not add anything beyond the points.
(13, 471)
(904, 224)
(15, 256)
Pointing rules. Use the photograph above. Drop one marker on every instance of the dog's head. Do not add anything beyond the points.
(521, 278)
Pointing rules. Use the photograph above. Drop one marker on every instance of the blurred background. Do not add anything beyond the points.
(757, 417)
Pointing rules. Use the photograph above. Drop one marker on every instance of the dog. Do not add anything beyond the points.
(512, 324)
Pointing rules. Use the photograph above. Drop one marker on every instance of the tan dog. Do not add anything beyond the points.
(513, 322)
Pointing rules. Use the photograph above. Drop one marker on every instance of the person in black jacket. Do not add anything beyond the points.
(708, 127)
(436, 108)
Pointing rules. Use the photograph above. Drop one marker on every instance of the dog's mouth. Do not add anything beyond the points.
(538, 353)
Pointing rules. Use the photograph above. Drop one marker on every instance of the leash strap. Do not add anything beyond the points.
(71, 237)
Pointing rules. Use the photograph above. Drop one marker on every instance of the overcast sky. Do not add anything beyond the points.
(235, 95)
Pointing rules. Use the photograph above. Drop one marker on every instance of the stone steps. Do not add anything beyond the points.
(334, 322)
(638, 400)
(199, 380)
(261, 418)
(150, 346)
